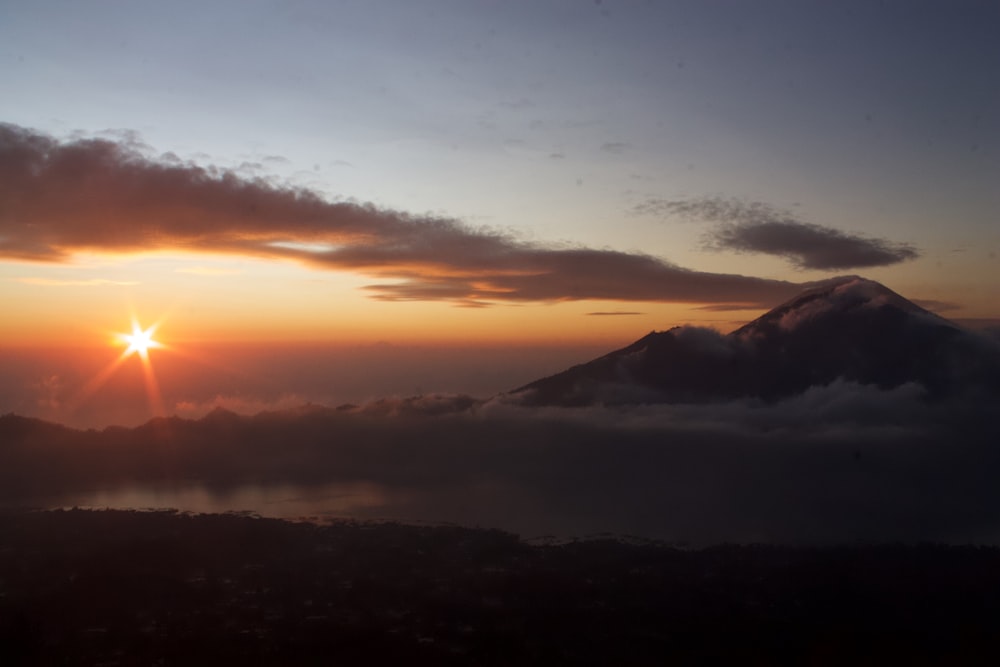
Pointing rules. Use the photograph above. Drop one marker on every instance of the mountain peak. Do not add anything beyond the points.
(847, 328)
(841, 296)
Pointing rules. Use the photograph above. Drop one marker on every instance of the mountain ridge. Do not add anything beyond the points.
(849, 328)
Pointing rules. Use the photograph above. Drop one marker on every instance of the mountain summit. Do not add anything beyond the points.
(848, 328)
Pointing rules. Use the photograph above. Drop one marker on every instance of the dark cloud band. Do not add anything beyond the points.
(760, 228)
(811, 246)
(58, 198)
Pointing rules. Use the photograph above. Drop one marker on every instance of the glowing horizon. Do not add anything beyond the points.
(566, 177)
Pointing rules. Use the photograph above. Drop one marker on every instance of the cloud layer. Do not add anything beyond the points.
(760, 228)
(63, 197)
(837, 463)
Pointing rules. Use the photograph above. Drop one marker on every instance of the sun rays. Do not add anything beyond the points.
(140, 341)
(137, 343)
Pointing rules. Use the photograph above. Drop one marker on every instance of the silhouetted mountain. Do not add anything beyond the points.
(15, 427)
(849, 329)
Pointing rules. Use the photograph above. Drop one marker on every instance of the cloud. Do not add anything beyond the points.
(615, 312)
(725, 307)
(108, 195)
(757, 227)
(811, 246)
(653, 206)
(837, 463)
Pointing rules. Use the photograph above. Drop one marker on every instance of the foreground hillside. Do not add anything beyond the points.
(119, 588)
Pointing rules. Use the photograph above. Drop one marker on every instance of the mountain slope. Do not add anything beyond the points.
(848, 328)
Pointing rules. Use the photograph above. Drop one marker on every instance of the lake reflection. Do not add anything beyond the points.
(484, 505)
(281, 501)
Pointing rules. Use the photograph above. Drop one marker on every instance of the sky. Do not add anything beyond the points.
(324, 200)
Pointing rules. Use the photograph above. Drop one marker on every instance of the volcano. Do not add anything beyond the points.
(849, 329)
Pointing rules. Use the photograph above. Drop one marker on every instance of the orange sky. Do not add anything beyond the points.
(96, 233)
(204, 298)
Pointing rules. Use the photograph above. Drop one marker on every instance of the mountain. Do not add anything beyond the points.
(848, 328)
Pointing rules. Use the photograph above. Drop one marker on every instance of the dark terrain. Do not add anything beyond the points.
(121, 588)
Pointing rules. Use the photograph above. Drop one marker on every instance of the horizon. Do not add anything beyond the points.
(449, 176)
(93, 386)
(472, 332)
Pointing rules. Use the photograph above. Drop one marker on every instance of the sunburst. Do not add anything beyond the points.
(138, 343)
(140, 340)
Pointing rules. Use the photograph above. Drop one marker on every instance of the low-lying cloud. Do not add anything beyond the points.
(63, 197)
(756, 227)
(837, 463)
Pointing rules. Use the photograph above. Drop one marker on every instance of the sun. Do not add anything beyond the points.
(140, 341)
